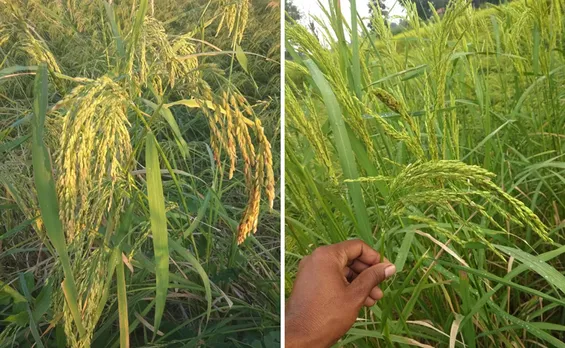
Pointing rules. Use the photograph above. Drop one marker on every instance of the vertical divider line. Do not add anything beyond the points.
(282, 174)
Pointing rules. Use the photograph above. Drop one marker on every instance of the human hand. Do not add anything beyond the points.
(331, 286)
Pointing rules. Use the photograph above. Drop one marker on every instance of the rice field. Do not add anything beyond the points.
(443, 147)
(139, 173)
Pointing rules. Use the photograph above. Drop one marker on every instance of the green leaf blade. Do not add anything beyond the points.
(537, 265)
(158, 227)
(47, 194)
(345, 151)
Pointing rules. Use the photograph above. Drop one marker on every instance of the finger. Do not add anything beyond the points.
(303, 262)
(376, 293)
(362, 286)
(356, 249)
(349, 274)
(369, 302)
(358, 266)
(353, 276)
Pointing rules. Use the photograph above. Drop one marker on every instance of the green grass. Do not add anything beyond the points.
(455, 133)
(119, 212)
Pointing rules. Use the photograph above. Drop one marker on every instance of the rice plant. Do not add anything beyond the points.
(138, 161)
(443, 148)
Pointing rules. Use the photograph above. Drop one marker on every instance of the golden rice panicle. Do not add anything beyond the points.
(37, 50)
(81, 13)
(188, 63)
(12, 168)
(522, 213)
(264, 146)
(246, 148)
(230, 130)
(250, 217)
(4, 35)
(159, 57)
(266, 156)
(94, 147)
(215, 122)
(263, 178)
(411, 143)
(15, 26)
(234, 15)
(230, 106)
(350, 105)
(90, 265)
(301, 37)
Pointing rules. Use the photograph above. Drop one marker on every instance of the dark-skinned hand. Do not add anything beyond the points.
(332, 285)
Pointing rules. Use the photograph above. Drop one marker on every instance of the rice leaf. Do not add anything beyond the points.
(17, 229)
(32, 323)
(14, 294)
(355, 59)
(118, 263)
(115, 30)
(490, 276)
(360, 333)
(345, 152)
(410, 72)
(4, 73)
(158, 227)
(168, 116)
(122, 304)
(404, 250)
(241, 57)
(203, 275)
(12, 144)
(553, 276)
(47, 195)
(122, 231)
(534, 330)
(43, 301)
(139, 18)
(194, 104)
(199, 215)
(454, 330)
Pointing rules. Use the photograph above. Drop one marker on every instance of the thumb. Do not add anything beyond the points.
(369, 278)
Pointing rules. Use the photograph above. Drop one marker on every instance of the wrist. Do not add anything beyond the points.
(299, 334)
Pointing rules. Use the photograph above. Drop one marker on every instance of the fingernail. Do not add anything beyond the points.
(390, 270)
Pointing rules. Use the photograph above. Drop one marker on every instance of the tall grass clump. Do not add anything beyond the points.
(138, 159)
(443, 148)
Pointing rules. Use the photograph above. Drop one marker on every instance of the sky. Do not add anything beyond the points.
(311, 7)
